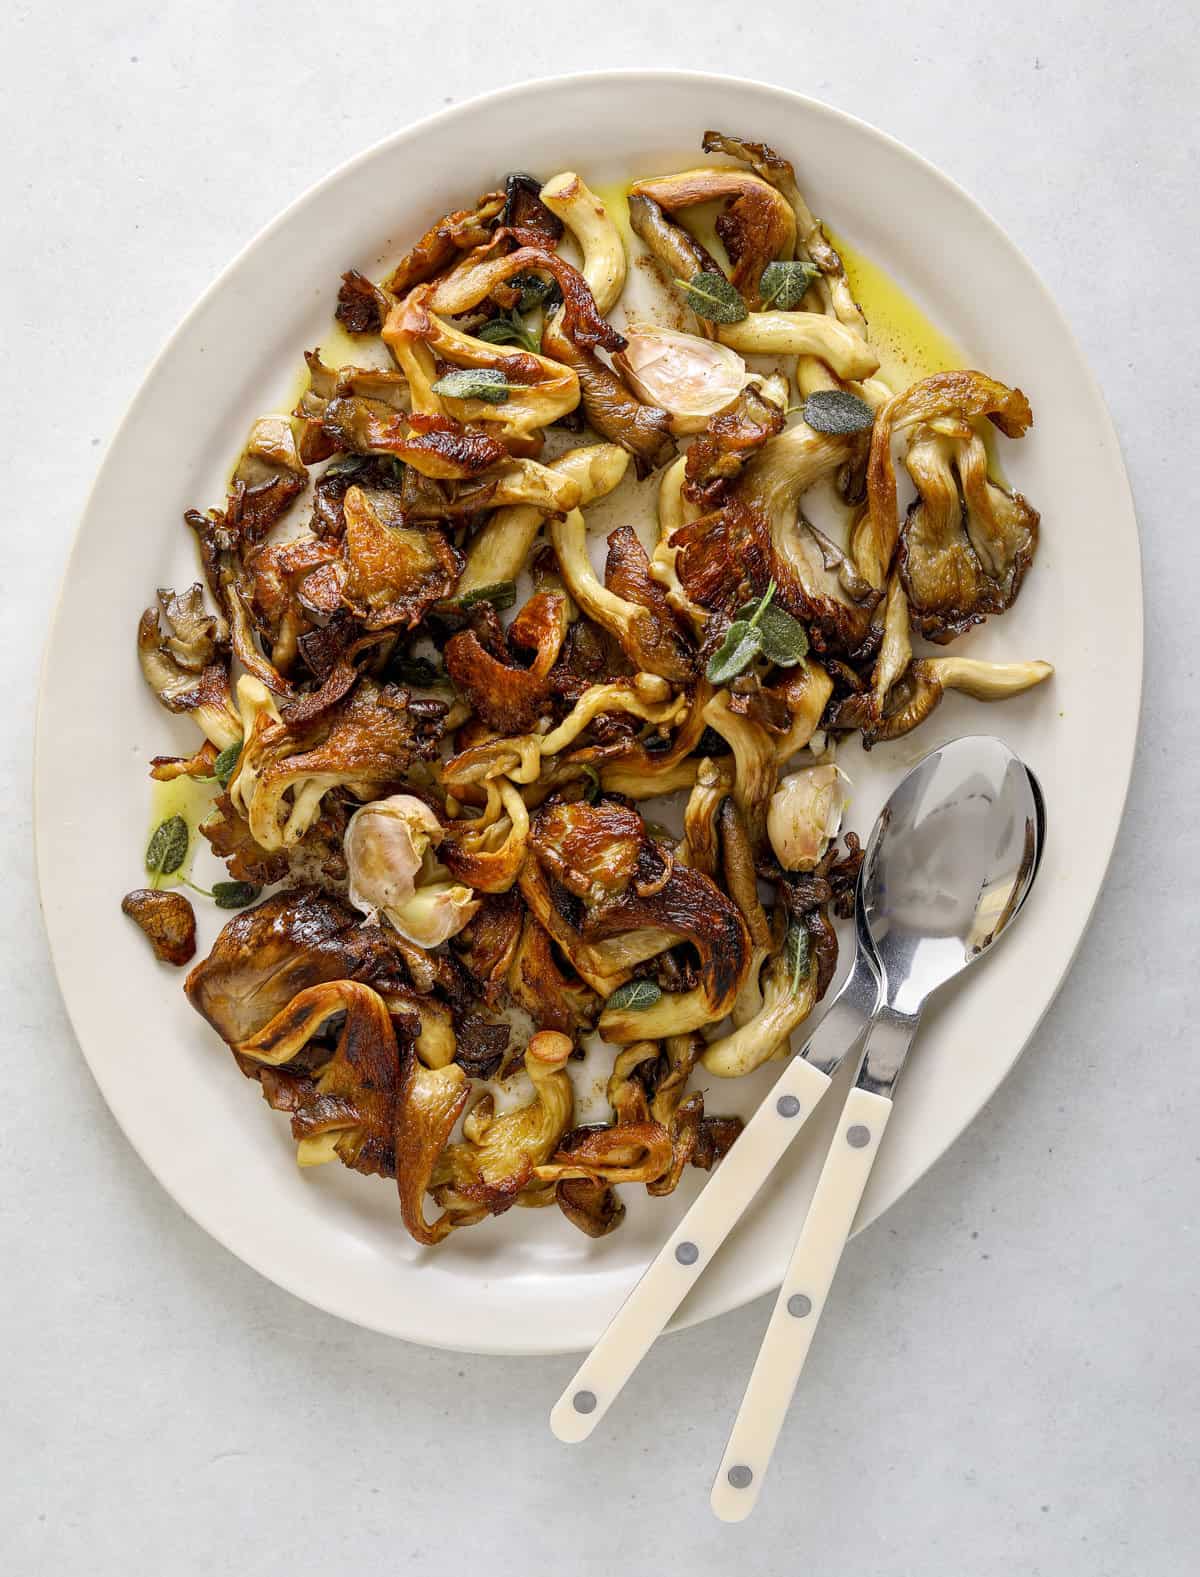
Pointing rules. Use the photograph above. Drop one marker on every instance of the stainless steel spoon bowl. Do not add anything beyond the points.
(950, 862)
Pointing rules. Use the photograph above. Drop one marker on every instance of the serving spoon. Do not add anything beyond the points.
(690, 1248)
(950, 863)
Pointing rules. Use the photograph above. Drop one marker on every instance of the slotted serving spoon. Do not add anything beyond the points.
(951, 861)
(780, 1118)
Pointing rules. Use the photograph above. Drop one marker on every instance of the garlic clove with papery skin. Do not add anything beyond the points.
(690, 378)
(805, 813)
(389, 846)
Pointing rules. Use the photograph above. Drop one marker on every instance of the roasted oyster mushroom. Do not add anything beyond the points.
(967, 542)
(499, 1155)
(757, 224)
(352, 1102)
(506, 695)
(953, 396)
(394, 572)
(265, 956)
(688, 908)
(180, 668)
(364, 743)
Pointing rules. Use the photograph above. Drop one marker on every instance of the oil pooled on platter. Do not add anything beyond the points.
(909, 346)
(181, 797)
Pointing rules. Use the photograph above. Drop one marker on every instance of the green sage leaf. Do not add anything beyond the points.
(234, 895)
(501, 594)
(593, 790)
(736, 652)
(784, 639)
(712, 296)
(636, 994)
(508, 329)
(535, 291)
(168, 847)
(226, 763)
(837, 411)
(475, 383)
(796, 955)
(783, 286)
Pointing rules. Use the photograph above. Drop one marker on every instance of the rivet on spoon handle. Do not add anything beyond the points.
(688, 1251)
(801, 1299)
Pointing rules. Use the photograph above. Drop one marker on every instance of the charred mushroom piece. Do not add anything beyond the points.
(489, 943)
(586, 217)
(553, 996)
(643, 430)
(354, 1096)
(365, 743)
(729, 440)
(757, 225)
(785, 1004)
(444, 242)
(270, 474)
(394, 572)
(645, 628)
(361, 306)
(510, 698)
(265, 956)
(539, 391)
(689, 908)
(166, 919)
(436, 446)
(500, 550)
(594, 851)
(915, 696)
(488, 851)
(677, 254)
(756, 767)
(478, 278)
(967, 542)
(181, 688)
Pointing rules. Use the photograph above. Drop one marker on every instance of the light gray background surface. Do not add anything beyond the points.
(1009, 1379)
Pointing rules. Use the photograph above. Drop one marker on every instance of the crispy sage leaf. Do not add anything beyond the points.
(783, 286)
(234, 895)
(636, 994)
(795, 952)
(593, 789)
(712, 296)
(837, 411)
(508, 329)
(475, 383)
(226, 763)
(784, 639)
(736, 652)
(168, 847)
(535, 291)
(742, 644)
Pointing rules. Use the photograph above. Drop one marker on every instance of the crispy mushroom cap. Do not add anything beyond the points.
(691, 908)
(757, 226)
